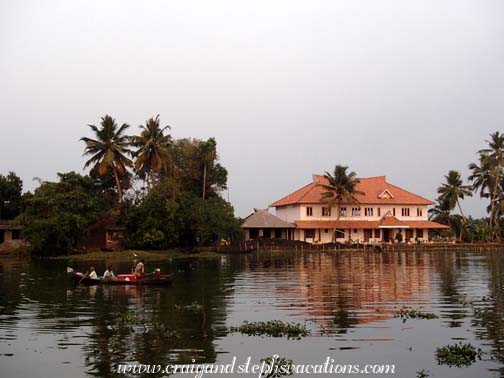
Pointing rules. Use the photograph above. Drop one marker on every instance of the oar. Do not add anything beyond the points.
(84, 276)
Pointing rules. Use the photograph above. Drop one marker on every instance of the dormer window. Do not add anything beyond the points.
(385, 194)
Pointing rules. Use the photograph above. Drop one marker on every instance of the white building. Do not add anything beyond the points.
(382, 211)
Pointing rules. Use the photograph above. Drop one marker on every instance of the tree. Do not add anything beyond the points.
(195, 171)
(170, 216)
(153, 150)
(340, 187)
(58, 214)
(454, 190)
(493, 157)
(208, 153)
(108, 151)
(11, 188)
(441, 213)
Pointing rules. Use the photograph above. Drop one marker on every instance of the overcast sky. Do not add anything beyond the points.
(406, 89)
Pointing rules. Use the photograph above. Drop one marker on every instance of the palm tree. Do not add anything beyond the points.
(495, 156)
(208, 153)
(108, 151)
(340, 187)
(482, 176)
(153, 149)
(454, 190)
(441, 213)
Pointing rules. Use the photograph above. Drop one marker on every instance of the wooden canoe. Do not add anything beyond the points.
(125, 279)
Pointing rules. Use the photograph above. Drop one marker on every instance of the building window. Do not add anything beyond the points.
(326, 211)
(16, 234)
(278, 233)
(253, 233)
(309, 234)
(405, 211)
(326, 231)
(267, 233)
(368, 211)
(393, 211)
(339, 233)
(377, 233)
(419, 212)
(355, 211)
(379, 212)
(355, 230)
(419, 233)
(309, 211)
(343, 212)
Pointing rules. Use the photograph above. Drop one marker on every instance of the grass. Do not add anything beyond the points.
(273, 328)
(459, 355)
(128, 255)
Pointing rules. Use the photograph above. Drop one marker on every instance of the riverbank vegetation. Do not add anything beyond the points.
(486, 181)
(167, 193)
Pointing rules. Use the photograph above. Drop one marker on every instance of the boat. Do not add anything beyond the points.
(153, 279)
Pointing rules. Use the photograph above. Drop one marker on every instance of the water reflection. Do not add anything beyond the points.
(347, 299)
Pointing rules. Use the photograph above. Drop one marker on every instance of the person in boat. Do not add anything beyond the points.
(140, 269)
(92, 273)
(109, 274)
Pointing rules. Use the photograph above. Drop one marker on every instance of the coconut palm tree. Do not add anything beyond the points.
(481, 177)
(454, 190)
(340, 188)
(108, 151)
(153, 150)
(494, 155)
(442, 213)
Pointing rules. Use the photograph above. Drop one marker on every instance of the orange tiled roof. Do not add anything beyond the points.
(385, 222)
(372, 187)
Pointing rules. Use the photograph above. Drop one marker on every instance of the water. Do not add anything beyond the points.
(52, 328)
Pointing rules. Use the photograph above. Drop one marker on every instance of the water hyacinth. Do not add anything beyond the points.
(411, 313)
(273, 328)
(276, 367)
(459, 355)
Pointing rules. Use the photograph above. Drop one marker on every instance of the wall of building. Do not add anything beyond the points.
(299, 212)
(289, 213)
(356, 235)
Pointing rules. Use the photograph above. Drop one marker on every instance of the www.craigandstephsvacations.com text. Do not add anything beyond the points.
(266, 368)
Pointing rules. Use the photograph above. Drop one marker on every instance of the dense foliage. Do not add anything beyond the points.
(11, 188)
(167, 192)
(58, 214)
(487, 181)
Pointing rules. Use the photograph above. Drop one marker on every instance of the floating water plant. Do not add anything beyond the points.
(193, 307)
(422, 373)
(276, 367)
(458, 355)
(273, 328)
(406, 313)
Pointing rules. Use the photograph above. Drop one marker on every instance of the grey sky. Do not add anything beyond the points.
(409, 89)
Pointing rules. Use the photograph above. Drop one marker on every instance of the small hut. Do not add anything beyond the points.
(105, 234)
(263, 224)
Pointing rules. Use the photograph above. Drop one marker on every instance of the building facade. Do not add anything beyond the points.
(381, 213)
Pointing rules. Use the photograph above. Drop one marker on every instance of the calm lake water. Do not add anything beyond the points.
(52, 328)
